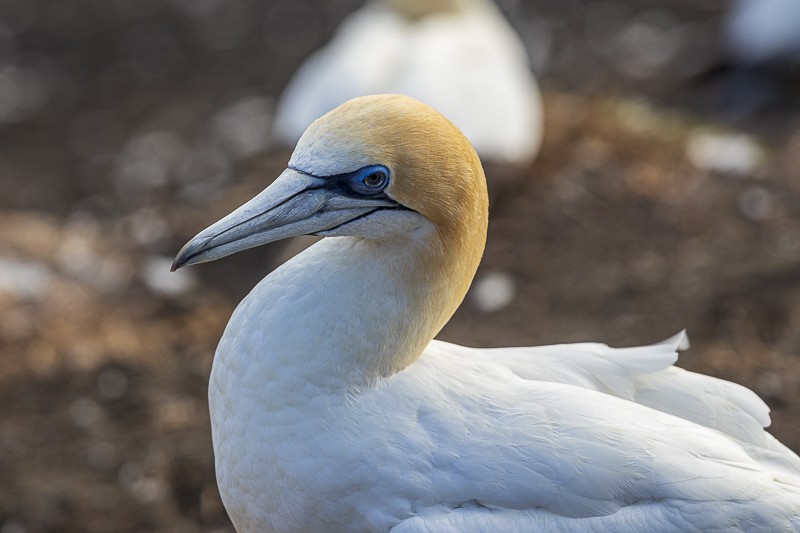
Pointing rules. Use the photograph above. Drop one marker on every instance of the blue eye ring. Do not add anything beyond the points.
(370, 180)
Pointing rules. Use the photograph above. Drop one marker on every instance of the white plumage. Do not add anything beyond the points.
(763, 31)
(459, 56)
(333, 410)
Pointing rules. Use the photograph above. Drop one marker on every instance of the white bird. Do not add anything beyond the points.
(332, 408)
(459, 56)
(763, 31)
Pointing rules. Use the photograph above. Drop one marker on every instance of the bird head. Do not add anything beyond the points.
(378, 167)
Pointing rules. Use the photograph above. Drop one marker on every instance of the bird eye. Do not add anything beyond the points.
(370, 180)
(375, 180)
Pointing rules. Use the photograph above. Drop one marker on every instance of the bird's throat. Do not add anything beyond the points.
(343, 314)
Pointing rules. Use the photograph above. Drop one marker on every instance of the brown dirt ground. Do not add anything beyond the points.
(612, 235)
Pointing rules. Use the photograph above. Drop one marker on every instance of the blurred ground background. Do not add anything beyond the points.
(667, 195)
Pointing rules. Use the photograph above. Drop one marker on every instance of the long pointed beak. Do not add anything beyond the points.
(295, 204)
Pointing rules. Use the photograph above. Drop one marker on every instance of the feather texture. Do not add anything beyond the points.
(332, 409)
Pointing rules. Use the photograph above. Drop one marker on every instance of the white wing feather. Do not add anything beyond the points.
(565, 458)
(646, 375)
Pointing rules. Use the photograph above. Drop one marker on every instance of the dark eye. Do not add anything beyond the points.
(370, 180)
(375, 180)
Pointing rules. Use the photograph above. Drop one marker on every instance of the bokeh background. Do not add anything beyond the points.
(667, 195)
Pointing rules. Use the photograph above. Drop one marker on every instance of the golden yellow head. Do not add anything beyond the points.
(434, 169)
(385, 168)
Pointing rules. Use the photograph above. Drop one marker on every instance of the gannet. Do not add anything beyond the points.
(332, 409)
(460, 56)
(763, 31)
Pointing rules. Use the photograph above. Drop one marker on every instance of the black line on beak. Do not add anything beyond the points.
(398, 207)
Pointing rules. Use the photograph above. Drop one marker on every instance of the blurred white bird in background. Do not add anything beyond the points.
(332, 408)
(460, 56)
(761, 43)
(761, 32)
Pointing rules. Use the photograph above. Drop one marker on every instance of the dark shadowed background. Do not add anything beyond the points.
(667, 195)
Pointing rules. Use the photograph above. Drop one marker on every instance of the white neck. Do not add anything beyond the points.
(342, 314)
